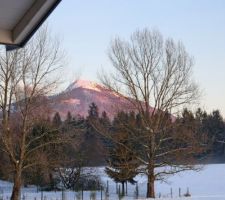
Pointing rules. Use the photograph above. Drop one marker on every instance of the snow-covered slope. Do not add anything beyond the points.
(85, 84)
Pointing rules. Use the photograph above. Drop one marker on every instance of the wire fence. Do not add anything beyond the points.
(111, 191)
(67, 195)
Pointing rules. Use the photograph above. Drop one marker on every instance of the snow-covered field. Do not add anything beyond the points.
(208, 184)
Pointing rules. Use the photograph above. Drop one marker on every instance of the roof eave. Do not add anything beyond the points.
(19, 37)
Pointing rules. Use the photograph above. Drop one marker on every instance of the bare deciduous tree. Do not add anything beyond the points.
(155, 76)
(27, 75)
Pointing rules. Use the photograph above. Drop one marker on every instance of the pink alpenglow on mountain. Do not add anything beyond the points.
(77, 98)
(84, 84)
(80, 94)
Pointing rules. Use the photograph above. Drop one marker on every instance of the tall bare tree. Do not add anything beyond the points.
(27, 75)
(155, 76)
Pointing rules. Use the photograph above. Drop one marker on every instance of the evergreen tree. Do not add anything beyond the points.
(69, 117)
(122, 163)
(92, 144)
(215, 127)
(104, 120)
(93, 111)
(201, 119)
(106, 125)
(57, 120)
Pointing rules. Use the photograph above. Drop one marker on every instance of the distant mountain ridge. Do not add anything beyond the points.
(78, 96)
(81, 93)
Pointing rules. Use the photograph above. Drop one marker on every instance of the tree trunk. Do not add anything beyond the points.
(17, 185)
(151, 185)
(151, 173)
(123, 189)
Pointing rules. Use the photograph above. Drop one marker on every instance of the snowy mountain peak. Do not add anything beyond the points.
(85, 84)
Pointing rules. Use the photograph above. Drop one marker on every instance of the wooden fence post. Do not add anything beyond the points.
(171, 192)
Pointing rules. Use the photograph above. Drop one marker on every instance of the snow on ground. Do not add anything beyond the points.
(208, 184)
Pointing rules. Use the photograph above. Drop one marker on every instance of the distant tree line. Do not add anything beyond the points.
(97, 140)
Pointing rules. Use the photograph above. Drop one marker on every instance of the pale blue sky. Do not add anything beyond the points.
(87, 27)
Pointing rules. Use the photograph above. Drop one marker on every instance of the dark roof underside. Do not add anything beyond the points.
(19, 19)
